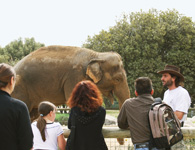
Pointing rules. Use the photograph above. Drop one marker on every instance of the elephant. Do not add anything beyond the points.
(50, 73)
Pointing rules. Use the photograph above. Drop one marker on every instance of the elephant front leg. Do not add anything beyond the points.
(120, 141)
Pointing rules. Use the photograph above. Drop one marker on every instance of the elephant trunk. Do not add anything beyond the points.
(122, 92)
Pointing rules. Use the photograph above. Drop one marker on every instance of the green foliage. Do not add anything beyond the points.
(17, 49)
(149, 40)
(62, 118)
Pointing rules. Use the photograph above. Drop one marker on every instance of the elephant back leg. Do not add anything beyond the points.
(34, 114)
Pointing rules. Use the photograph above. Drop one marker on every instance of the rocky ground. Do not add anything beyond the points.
(110, 120)
(190, 122)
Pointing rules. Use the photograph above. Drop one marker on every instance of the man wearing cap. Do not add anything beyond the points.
(176, 96)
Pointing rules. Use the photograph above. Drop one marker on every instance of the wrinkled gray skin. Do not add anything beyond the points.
(50, 73)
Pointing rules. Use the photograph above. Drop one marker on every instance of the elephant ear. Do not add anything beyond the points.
(94, 70)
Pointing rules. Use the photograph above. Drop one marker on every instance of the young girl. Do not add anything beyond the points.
(47, 133)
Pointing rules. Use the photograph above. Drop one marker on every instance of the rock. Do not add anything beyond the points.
(190, 122)
(110, 120)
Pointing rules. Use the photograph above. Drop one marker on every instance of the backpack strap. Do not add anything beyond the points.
(154, 104)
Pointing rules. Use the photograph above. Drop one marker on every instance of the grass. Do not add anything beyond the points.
(63, 118)
(113, 113)
(59, 115)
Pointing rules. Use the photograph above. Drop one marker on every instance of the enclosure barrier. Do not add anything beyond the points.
(115, 132)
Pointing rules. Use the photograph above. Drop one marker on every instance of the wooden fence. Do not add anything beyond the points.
(191, 111)
(66, 109)
(115, 132)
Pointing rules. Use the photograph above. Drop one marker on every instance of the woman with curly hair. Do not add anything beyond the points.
(86, 118)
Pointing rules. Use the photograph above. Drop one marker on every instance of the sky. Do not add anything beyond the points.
(70, 22)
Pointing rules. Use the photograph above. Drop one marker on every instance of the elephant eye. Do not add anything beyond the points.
(118, 79)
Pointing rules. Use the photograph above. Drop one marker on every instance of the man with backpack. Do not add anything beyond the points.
(134, 114)
(176, 96)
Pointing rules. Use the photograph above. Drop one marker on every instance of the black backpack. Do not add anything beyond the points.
(164, 125)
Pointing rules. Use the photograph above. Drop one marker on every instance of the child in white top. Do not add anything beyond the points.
(47, 133)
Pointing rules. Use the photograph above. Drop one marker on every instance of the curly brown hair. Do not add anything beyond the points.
(85, 95)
